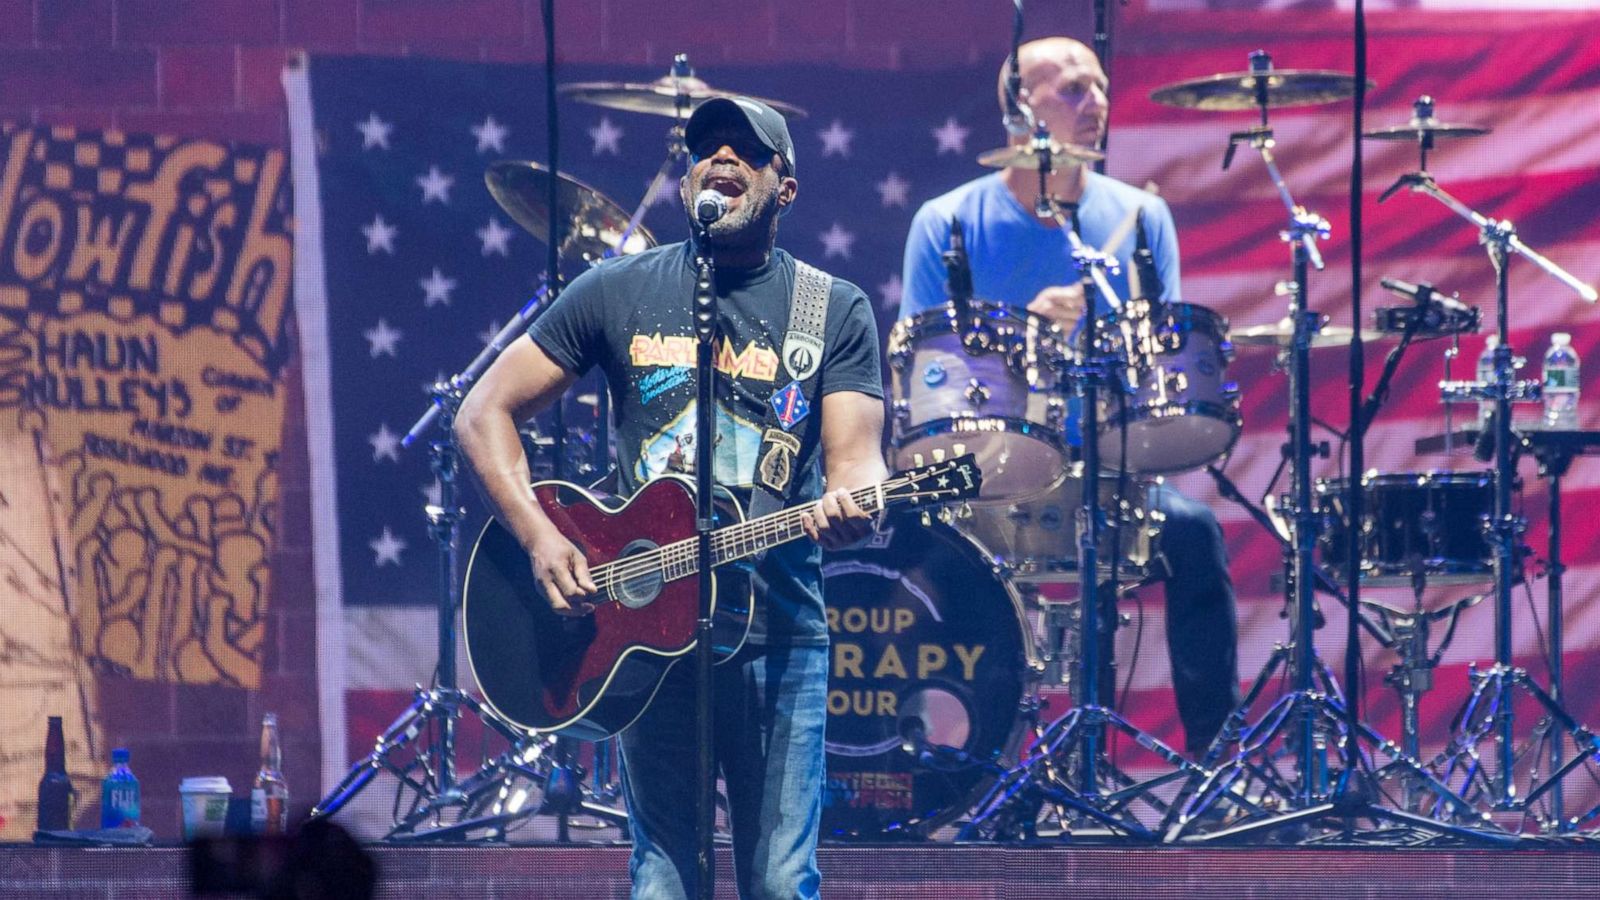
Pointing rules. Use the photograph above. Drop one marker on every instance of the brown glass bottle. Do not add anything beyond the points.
(55, 788)
(269, 799)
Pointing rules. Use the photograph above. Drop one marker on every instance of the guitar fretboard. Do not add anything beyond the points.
(730, 544)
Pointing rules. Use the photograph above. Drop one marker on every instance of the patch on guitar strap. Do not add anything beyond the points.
(802, 354)
(790, 405)
(776, 467)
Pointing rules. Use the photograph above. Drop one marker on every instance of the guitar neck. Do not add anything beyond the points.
(945, 480)
(752, 536)
(730, 543)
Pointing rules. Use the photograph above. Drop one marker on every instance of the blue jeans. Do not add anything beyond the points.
(1202, 631)
(770, 709)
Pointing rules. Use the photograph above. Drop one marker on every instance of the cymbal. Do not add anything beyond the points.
(1417, 129)
(591, 223)
(1279, 334)
(659, 97)
(1237, 90)
(1023, 157)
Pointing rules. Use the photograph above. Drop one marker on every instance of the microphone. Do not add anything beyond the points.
(958, 274)
(1483, 447)
(709, 206)
(1435, 313)
(1017, 119)
(913, 734)
(1421, 293)
(1144, 261)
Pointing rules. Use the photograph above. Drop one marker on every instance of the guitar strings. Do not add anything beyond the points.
(683, 552)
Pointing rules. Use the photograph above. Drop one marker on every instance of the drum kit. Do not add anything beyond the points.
(945, 635)
(983, 377)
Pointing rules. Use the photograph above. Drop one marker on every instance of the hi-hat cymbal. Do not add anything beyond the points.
(1023, 156)
(1279, 335)
(1417, 129)
(592, 224)
(1245, 90)
(660, 97)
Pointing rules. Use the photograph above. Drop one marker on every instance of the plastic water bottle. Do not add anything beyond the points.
(1486, 376)
(1561, 383)
(119, 793)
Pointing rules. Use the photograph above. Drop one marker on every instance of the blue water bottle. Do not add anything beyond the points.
(119, 793)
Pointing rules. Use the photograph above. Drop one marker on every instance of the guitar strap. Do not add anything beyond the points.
(789, 437)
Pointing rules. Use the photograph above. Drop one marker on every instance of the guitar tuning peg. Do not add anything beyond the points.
(947, 515)
(927, 518)
(964, 511)
(938, 454)
(916, 459)
(959, 449)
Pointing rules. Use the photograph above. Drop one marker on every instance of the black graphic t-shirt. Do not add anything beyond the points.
(633, 317)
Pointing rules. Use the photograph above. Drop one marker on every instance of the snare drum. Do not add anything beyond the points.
(1035, 539)
(1413, 523)
(931, 651)
(992, 387)
(1182, 412)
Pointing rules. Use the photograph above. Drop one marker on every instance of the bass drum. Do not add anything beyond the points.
(932, 659)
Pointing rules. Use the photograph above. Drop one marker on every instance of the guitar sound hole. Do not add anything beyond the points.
(638, 590)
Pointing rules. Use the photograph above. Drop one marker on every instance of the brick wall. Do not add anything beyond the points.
(209, 68)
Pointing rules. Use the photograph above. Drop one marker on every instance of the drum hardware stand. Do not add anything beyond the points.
(1316, 723)
(1067, 768)
(441, 704)
(1412, 676)
(1488, 711)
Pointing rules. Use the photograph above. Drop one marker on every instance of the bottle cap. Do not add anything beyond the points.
(120, 756)
(1561, 337)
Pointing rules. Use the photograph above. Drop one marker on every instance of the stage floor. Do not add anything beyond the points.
(941, 871)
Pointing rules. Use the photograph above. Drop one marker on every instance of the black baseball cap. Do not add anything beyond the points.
(767, 123)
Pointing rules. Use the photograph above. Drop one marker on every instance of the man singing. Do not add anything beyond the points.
(632, 317)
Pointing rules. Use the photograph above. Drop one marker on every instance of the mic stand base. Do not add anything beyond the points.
(1260, 791)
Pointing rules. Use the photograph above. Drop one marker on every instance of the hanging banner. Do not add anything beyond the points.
(144, 331)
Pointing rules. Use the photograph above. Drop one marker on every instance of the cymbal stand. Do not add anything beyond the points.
(676, 152)
(1068, 770)
(1488, 712)
(1313, 723)
(442, 703)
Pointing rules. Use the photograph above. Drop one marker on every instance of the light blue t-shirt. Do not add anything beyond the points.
(1014, 255)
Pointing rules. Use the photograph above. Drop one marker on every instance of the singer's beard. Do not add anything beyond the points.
(752, 225)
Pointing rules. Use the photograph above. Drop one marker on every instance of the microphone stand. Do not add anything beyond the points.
(705, 329)
(1489, 712)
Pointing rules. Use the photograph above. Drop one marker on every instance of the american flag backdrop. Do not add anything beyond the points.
(406, 266)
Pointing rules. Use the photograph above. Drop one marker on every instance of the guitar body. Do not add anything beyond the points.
(590, 676)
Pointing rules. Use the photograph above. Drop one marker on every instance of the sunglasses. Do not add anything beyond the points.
(746, 147)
